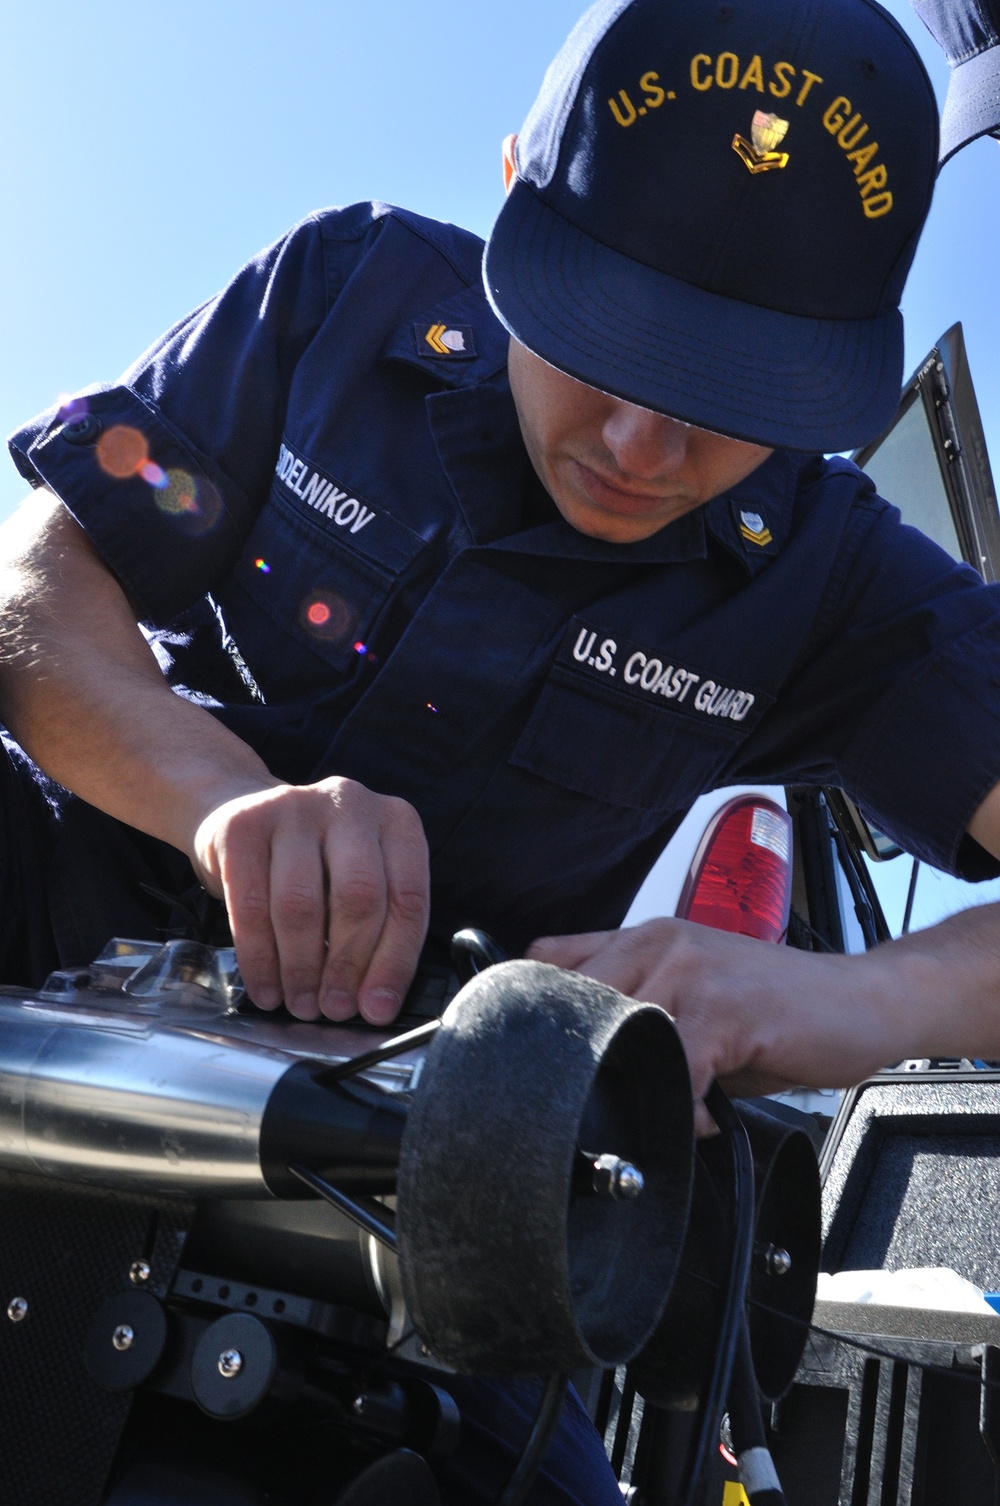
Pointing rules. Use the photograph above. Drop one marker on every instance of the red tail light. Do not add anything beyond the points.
(741, 876)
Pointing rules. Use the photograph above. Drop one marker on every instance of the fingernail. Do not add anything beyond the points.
(304, 1006)
(339, 1005)
(380, 1006)
(267, 998)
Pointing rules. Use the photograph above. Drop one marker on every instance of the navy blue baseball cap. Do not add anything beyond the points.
(715, 209)
(969, 33)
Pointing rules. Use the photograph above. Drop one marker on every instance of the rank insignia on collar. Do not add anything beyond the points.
(446, 342)
(754, 529)
(760, 154)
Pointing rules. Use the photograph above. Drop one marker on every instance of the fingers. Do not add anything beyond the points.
(633, 960)
(570, 952)
(327, 888)
(241, 852)
(407, 911)
(355, 905)
(298, 915)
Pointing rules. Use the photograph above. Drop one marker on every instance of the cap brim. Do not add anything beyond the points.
(972, 105)
(750, 372)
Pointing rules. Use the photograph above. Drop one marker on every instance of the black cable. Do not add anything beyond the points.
(713, 1405)
(911, 895)
(757, 1472)
(549, 1411)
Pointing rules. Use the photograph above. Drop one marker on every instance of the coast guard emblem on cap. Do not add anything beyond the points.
(754, 529)
(761, 154)
(446, 341)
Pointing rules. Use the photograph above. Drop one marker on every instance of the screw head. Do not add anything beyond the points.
(17, 1308)
(616, 1178)
(139, 1272)
(778, 1261)
(123, 1337)
(230, 1364)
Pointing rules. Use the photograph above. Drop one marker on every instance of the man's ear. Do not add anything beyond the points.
(509, 169)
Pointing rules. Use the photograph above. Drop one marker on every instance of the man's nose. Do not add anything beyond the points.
(648, 446)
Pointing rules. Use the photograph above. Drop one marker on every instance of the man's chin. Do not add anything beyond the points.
(613, 527)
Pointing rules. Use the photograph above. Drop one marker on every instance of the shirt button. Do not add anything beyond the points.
(85, 430)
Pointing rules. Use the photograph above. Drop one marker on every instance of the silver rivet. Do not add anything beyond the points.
(778, 1261)
(17, 1308)
(139, 1272)
(616, 1178)
(230, 1363)
(123, 1338)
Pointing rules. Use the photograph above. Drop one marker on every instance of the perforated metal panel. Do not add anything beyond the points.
(63, 1252)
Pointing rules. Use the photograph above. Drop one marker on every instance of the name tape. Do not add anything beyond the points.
(320, 493)
(656, 677)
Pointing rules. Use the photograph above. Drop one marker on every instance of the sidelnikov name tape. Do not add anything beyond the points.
(317, 491)
(655, 676)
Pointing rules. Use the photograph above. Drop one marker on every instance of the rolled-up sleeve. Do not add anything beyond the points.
(167, 468)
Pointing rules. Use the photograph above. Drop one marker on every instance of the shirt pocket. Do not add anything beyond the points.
(303, 601)
(620, 750)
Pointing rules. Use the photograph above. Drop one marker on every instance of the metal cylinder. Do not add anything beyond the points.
(178, 1104)
(132, 1103)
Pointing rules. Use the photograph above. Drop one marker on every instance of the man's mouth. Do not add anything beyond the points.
(627, 501)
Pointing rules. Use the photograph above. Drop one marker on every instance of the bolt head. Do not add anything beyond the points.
(779, 1262)
(230, 1364)
(123, 1338)
(616, 1178)
(17, 1308)
(139, 1272)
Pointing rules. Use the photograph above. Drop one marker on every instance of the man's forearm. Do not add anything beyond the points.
(83, 694)
(764, 1018)
(942, 986)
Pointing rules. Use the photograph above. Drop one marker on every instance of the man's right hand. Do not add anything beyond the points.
(326, 885)
(327, 890)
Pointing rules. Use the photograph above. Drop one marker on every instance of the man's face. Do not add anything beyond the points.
(615, 471)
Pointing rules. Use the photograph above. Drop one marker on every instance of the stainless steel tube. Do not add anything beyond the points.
(139, 1104)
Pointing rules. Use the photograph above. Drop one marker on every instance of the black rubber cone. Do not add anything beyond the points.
(506, 1268)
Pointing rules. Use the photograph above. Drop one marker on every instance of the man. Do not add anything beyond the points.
(454, 659)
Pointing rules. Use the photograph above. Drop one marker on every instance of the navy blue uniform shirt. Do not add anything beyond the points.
(314, 490)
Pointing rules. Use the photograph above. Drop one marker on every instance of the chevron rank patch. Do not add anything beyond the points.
(445, 342)
(754, 529)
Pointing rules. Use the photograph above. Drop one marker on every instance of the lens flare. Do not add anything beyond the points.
(192, 502)
(262, 566)
(327, 616)
(153, 474)
(122, 451)
(71, 408)
(179, 494)
(432, 708)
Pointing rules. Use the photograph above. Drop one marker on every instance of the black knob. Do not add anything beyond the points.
(234, 1366)
(126, 1340)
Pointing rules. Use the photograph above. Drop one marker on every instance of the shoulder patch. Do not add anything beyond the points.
(445, 342)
